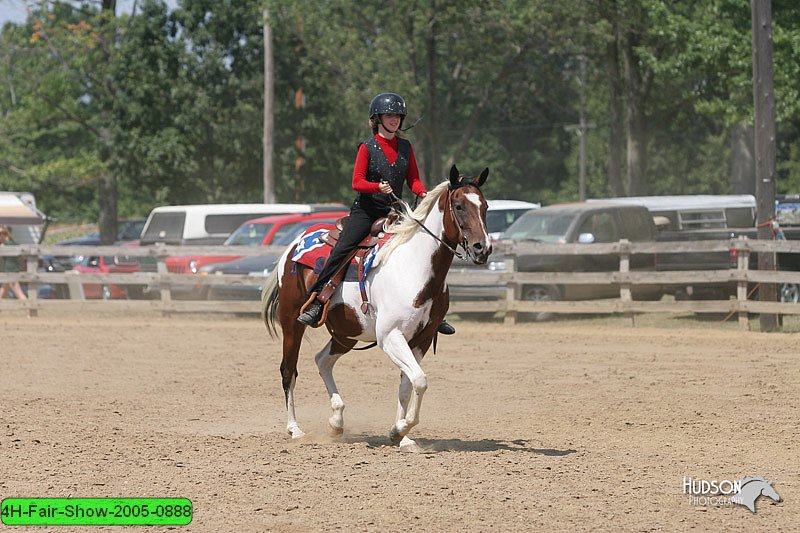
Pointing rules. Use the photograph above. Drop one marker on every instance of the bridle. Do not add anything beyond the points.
(461, 239)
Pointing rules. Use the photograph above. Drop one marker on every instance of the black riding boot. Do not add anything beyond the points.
(312, 314)
(445, 328)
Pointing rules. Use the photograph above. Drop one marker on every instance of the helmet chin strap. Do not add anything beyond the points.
(411, 126)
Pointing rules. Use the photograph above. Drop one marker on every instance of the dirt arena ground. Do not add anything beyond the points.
(571, 425)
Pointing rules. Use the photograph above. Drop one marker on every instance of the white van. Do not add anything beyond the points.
(212, 223)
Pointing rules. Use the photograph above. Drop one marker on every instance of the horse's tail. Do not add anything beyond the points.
(272, 285)
(269, 302)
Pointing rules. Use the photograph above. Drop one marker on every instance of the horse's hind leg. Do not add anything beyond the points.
(325, 360)
(291, 349)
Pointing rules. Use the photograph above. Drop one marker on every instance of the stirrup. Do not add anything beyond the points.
(311, 315)
(445, 328)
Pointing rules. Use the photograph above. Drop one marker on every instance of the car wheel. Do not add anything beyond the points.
(790, 293)
(540, 293)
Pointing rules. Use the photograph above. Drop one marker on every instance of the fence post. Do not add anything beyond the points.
(74, 285)
(32, 268)
(742, 266)
(166, 293)
(512, 288)
(625, 286)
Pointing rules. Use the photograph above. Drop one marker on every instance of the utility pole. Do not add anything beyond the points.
(582, 128)
(300, 144)
(269, 102)
(764, 104)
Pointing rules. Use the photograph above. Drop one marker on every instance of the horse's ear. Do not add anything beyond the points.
(483, 176)
(454, 176)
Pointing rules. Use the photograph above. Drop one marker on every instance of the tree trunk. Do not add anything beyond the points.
(635, 119)
(617, 127)
(743, 165)
(107, 195)
(433, 162)
(269, 119)
(107, 181)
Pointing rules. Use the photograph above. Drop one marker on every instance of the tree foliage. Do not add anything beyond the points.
(105, 114)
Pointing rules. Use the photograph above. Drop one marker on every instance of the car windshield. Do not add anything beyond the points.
(539, 226)
(249, 234)
(499, 219)
(130, 230)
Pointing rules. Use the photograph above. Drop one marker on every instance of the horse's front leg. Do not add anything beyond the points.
(403, 398)
(325, 360)
(410, 395)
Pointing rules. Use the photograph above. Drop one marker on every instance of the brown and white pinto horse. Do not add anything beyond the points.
(407, 293)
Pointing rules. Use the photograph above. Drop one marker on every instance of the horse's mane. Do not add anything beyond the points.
(408, 224)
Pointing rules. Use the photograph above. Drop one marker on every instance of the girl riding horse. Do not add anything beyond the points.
(383, 163)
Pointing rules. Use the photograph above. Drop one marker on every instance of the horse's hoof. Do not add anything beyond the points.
(395, 437)
(409, 446)
(296, 433)
(335, 431)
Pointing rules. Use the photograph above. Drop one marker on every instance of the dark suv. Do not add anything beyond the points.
(581, 223)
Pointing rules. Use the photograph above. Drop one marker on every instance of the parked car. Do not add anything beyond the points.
(258, 267)
(108, 264)
(271, 230)
(129, 231)
(583, 223)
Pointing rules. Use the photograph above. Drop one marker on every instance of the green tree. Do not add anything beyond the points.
(481, 75)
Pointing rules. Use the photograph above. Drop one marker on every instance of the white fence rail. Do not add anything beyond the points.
(511, 306)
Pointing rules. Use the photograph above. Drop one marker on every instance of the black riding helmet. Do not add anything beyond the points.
(388, 103)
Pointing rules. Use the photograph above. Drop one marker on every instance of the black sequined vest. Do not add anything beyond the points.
(380, 169)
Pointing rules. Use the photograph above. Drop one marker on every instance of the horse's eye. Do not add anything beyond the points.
(459, 208)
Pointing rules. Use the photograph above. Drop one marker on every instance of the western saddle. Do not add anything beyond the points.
(376, 233)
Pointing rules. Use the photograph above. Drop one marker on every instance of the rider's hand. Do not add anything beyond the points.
(385, 187)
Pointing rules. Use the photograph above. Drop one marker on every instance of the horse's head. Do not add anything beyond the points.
(769, 491)
(468, 207)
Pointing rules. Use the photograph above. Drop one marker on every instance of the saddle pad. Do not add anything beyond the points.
(312, 252)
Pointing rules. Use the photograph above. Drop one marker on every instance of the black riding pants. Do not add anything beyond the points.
(357, 227)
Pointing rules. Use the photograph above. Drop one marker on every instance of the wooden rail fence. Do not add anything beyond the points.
(511, 306)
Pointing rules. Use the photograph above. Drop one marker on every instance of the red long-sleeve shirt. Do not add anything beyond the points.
(389, 148)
